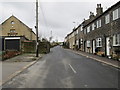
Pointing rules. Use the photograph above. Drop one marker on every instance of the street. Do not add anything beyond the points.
(64, 69)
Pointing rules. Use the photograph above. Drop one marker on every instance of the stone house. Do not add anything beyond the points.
(71, 40)
(100, 34)
(13, 32)
(103, 32)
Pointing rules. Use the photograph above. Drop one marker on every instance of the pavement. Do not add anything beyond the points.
(14, 66)
(63, 68)
(105, 60)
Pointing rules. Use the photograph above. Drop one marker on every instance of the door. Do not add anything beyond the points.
(108, 46)
(84, 46)
(12, 44)
(93, 46)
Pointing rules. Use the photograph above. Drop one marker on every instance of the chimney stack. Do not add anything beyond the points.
(99, 9)
(91, 15)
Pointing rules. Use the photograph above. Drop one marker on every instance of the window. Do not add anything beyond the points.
(81, 40)
(99, 42)
(99, 23)
(115, 14)
(88, 29)
(107, 19)
(84, 30)
(77, 42)
(81, 28)
(116, 40)
(12, 30)
(93, 26)
(88, 44)
(12, 22)
(119, 12)
(77, 31)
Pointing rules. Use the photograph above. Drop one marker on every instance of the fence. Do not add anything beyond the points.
(30, 47)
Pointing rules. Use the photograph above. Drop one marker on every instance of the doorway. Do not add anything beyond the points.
(108, 46)
(93, 46)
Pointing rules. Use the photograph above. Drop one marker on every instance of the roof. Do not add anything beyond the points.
(118, 3)
(18, 20)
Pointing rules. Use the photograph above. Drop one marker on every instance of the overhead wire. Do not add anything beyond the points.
(44, 18)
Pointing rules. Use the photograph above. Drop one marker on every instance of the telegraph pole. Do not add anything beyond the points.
(37, 43)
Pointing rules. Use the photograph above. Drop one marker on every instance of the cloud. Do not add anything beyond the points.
(23, 11)
(54, 15)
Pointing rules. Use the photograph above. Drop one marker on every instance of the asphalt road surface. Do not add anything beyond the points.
(64, 69)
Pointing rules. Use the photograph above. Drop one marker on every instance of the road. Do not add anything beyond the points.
(64, 69)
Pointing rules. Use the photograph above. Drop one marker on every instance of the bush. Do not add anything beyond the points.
(101, 54)
(10, 54)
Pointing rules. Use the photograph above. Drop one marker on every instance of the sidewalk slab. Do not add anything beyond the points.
(15, 65)
(105, 60)
(8, 68)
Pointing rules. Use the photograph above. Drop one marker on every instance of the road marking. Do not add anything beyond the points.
(72, 69)
(85, 85)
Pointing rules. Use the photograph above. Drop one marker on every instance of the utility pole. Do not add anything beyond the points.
(50, 36)
(37, 43)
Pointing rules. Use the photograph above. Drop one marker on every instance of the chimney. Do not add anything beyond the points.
(99, 9)
(91, 15)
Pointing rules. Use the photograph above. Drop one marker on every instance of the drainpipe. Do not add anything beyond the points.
(105, 45)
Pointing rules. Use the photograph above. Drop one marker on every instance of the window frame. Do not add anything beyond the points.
(81, 41)
(107, 19)
(98, 42)
(81, 28)
(88, 29)
(93, 26)
(99, 24)
(85, 31)
(88, 43)
(12, 22)
(115, 14)
(116, 40)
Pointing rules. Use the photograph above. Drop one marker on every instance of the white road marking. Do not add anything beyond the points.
(85, 85)
(72, 69)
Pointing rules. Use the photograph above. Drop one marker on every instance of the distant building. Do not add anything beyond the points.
(100, 34)
(13, 32)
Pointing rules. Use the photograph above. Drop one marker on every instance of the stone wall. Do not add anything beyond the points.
(30, 47)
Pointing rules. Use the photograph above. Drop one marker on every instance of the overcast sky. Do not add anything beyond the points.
(54, 15)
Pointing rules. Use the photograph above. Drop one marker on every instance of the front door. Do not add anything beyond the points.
(93, 46)
(108, 46)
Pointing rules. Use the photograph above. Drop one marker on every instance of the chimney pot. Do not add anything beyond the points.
(99, 9)
(91, 15)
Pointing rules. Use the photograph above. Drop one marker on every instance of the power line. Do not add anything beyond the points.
(46, 24)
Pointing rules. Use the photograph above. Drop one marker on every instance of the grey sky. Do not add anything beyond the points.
(54, 16)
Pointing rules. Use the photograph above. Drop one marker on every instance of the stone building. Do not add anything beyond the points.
(71, 40)
(103, 32)
(13, 32)
(100, 34)
(14, 27)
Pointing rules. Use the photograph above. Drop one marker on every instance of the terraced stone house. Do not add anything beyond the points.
(100, 34)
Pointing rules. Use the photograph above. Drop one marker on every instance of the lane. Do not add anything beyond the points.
(93, 74)
(64, 69)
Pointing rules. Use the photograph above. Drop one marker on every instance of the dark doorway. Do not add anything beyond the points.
(12, 44)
